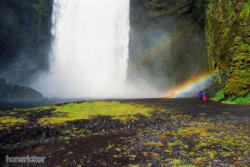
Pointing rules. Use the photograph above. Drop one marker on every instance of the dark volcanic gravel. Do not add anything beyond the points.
(106, 142)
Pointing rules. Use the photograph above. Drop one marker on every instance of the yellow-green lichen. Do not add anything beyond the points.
(8, 121)
(89, 110)
(154, 144)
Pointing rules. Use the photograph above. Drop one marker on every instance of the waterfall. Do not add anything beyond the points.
(89, 56)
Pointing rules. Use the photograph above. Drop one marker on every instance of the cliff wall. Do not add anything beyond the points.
(227, 35)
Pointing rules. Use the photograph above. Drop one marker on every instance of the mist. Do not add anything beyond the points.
(119, 51)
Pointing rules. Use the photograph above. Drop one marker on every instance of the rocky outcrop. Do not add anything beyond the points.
(12, 91)
(25, 35)
(228, 37)
(167, 41)
(223, 24)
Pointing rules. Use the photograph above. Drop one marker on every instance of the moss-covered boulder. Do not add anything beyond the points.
(227, 34)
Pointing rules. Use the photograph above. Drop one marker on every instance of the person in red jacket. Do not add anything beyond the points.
(204, 96)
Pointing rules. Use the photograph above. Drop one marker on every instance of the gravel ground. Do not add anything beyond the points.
(188, 133)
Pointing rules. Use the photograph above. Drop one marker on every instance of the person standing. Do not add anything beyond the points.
(200, 95)
(204, 96)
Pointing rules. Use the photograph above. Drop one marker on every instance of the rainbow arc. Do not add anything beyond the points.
(194, 84)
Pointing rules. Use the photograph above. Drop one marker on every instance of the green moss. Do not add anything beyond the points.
(219, 95)
(66, 131)
(209, 141)
(212, 154)
(227, 32)
(77, 111)
(244, 14)
(175, 143)
(176, 162)
(89, 110)
(238, 100)
(154, 144)
(187, 165)
(8, 121)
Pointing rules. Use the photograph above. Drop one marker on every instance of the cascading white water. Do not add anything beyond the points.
(90, 49)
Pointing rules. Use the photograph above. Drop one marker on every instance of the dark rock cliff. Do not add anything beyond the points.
(215, 33)
(24, 38)
(167, 44)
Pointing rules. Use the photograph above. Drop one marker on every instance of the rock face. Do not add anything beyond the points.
(223, 24)
(25, 35)
(15, 91)
(227, 34)
(167, 41)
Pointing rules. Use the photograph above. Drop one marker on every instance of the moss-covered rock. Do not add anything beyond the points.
(226, 23)
(227, 34)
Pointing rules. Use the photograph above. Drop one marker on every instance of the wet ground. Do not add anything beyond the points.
(188, 133)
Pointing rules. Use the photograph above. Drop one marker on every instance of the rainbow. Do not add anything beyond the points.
(160, 46)
(195, 84)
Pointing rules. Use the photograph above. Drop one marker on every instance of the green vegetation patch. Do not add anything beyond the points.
(154, 144)
(89, 110)
(7, 121)
(227, 35)
(219, 95)
(238, 100)
(231, 100)
(209, 141)
(60, 114)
